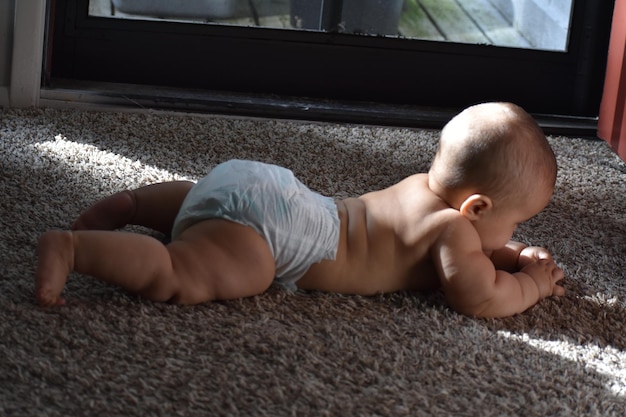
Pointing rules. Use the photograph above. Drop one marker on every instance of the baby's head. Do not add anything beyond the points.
(494, 150)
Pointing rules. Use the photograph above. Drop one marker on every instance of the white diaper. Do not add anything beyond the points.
(300, 226)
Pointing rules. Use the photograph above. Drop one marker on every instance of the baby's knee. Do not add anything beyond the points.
(187, 294)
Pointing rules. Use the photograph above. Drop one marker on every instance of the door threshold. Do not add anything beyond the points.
(129, 97)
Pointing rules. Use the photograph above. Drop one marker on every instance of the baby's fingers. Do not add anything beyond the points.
(557, 275)
(558, 291)
(532, 254)
(546, 275)
(542, 253)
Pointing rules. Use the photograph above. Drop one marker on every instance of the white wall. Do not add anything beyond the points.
(23, 24)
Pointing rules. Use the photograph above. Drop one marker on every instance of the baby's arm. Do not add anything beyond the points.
(474, 286)
(515, 255)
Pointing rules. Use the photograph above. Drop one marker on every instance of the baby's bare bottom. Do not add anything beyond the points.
(214, 259)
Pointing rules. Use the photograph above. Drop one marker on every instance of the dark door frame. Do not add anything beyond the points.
(332, 67)
(612, 120)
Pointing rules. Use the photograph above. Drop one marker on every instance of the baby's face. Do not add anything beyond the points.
(496, 227)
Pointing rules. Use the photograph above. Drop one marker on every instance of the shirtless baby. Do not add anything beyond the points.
(246, 225)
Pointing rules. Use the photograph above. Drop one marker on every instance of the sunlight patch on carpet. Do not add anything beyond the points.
(608, 361)
(86, 158)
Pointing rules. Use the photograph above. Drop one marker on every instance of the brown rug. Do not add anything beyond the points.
(305, 354)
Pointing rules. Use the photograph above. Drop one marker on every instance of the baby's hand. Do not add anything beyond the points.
(532, 254)
(546, 274)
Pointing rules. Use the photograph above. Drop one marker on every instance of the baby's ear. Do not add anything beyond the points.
(475, 206)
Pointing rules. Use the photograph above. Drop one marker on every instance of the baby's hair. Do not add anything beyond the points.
(496, 149)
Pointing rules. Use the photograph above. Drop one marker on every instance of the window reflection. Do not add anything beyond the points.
(534, 24)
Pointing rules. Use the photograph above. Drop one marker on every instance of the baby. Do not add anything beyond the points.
(247, 224)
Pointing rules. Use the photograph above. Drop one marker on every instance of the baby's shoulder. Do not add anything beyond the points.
(444, 221)
(455, 230)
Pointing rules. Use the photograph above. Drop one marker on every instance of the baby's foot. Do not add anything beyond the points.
(55, 253)
(110, 213)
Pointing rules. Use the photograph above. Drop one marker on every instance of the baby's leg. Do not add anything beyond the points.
(154, 206)
(215, 259)
(55, 259)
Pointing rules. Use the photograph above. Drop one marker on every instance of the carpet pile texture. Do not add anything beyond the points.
(303, 354)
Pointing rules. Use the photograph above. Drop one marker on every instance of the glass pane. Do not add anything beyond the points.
(532, 24)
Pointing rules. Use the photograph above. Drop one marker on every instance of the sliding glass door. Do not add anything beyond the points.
(547, 55)
(542, 25)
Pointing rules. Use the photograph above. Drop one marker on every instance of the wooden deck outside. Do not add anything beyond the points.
(463, 21)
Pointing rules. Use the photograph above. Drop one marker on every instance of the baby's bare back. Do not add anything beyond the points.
(385, 242)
